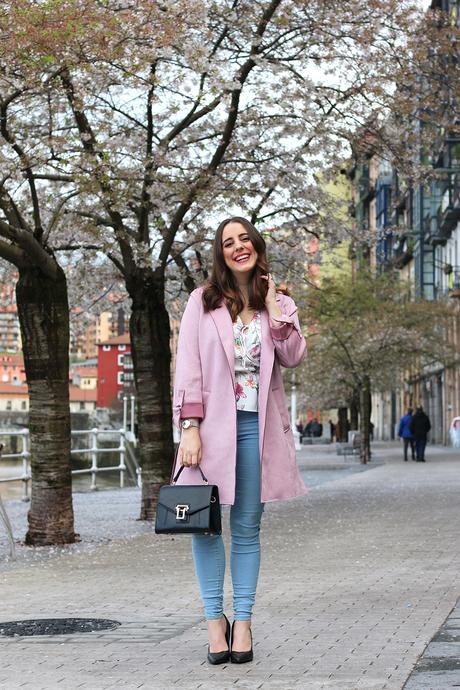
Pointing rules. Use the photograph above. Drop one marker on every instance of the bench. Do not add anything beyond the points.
(352, 447)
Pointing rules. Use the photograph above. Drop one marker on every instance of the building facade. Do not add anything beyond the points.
(417, 232)
(114, 371)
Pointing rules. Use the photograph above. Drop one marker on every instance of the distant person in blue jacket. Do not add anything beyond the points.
(405, 432)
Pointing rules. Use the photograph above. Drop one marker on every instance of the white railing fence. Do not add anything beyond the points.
(9, 530)
(91, 450)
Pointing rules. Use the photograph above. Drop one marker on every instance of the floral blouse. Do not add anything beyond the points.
(247, 362)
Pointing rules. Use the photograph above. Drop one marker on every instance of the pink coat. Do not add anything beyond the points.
(205, 388)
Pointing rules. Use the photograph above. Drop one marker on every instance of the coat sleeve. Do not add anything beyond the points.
(188, 396)
(288, 339)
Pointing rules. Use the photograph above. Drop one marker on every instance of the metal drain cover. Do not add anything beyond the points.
(55, 626)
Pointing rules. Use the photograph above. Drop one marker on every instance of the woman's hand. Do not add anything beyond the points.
(270, 298)
(190, 447)
(271, 304)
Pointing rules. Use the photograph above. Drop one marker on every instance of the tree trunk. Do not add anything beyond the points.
(342, 425)
(150, 345)
(365, 414)
(43, 311)
(354, 410)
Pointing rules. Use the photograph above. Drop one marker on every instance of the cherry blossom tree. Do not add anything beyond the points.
(39, 41)
(145, 124)
(365, 335)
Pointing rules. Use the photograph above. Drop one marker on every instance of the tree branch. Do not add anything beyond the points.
(76, 247)
(194, 115)
(27, 167)
(12, 254)
(31, 246)
(232, 115)
(145, 194)
(56, 215)
(89, 144)
(98, 220)
(11, 211)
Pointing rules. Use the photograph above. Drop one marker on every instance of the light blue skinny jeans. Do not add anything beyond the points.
(208, 550)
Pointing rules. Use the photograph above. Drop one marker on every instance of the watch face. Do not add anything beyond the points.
(186, 423)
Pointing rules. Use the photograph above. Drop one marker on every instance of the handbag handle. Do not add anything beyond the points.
(180, 470)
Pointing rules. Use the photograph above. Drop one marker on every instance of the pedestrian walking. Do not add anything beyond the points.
(229, 400)
(405, 433)
(420, 426)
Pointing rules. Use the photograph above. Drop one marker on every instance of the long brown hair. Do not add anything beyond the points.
(222, 286)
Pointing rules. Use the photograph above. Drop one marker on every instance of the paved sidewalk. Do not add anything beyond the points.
(356, 579)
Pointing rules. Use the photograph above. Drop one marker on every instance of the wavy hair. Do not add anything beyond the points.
(222, 286)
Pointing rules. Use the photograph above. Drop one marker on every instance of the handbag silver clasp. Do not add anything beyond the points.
(181, 512)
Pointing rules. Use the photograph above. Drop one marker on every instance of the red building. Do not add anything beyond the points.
(12, 368)
(114, 370)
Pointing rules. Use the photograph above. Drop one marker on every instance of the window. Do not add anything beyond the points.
(120, 378)
(128, 361)
(9, 405)
(24, 405)
(82, 405)
(106, 348)
(122, 347)
(120, 360)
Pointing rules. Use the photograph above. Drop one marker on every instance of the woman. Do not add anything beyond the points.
(229, 400)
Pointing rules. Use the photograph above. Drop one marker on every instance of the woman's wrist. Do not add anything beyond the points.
(274, 310)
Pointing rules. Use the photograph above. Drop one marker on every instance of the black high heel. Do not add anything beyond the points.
(221, 657)
(241, 657)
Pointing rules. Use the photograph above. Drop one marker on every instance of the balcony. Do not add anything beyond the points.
(446, 152)
(431, 232)
(403, 250)
(449, 210)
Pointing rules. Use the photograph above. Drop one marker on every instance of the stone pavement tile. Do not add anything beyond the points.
(355, 581)
(443, 650)
(436, 680)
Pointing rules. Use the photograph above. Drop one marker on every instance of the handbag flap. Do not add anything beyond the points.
(196, 497)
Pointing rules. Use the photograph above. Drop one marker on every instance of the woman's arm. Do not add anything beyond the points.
(188, 397)
(288, 339)
(285, 329)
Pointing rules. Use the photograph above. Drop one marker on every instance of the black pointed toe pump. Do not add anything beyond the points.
(221, 657)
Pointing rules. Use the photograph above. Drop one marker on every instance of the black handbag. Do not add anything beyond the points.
(188, 509)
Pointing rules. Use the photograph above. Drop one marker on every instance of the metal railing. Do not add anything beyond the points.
(127, 462)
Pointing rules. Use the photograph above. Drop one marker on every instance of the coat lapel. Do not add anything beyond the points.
(222, 319)
(267, 357)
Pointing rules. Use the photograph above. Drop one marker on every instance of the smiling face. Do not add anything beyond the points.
(238, 250)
